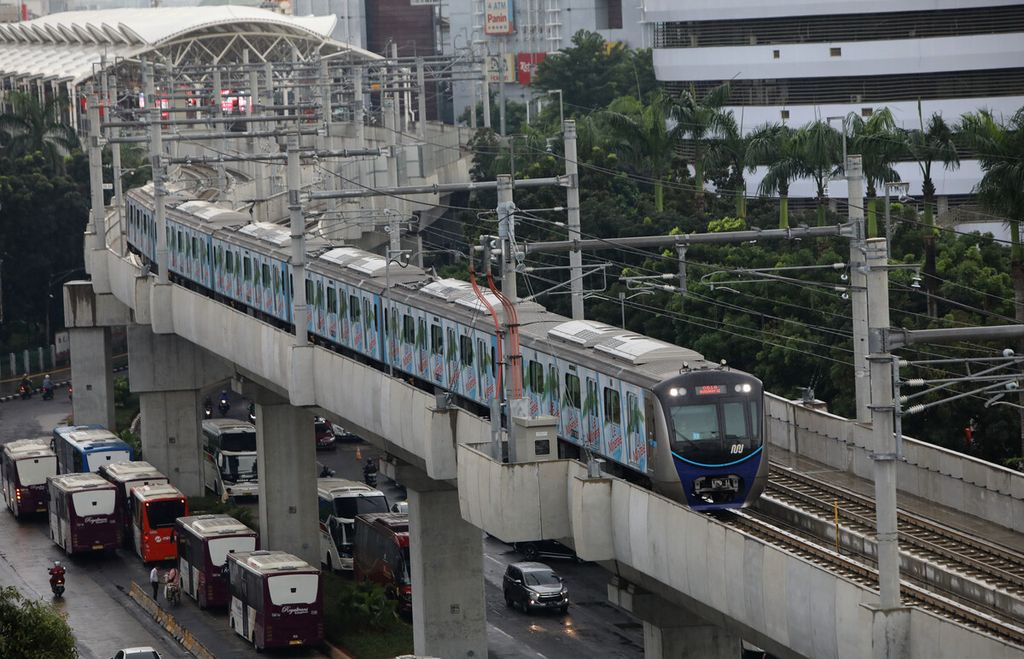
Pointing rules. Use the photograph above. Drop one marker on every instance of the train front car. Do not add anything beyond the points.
(714, 423)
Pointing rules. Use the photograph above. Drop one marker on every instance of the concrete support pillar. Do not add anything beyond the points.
(171, 432)
(286, 444)
(670, 630)
(92, 376)
(168, 373)
(448, 607)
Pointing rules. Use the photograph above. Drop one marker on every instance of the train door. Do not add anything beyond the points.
(344, 318)
(636, 427)
(267, 279)
(319, 306)
(247, 292)
(372, 326)
(206, 260)
(451, 357)
(485, 366)
(217, 275)
(279, 275)
(469, 380)
(332, 310)
(392, 332)
(550, 403)
(591, 412)
(422, 346)
(436, 351)
(407, 341)
(257, 281)
(533, 381)
(613, 441)
(571, 413)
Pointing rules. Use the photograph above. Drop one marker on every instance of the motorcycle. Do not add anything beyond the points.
(71, 393)
(24, 391)
(207, 408)
(224, 406)
(57, 580)
(252, 412)
(47, 393)
(370, 475)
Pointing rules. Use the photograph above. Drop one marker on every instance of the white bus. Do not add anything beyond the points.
(83, 513)
(204, 542)
(229, 458)
(340, 501)
(126, 475)
(24, 466)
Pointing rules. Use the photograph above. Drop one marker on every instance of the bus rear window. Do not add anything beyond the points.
(221, 547)
(33, 471)
(238, 441)
(100, 502)
(293, 589)
(161, 514)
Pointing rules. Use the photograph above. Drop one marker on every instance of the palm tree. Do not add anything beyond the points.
(818, 148)
(773, 146)
(729, 153)
(32, 126)
(699, 123)
(927, 145)
(640, 135)
(879, 144)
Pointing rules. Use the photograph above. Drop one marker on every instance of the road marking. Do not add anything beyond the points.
(513, 638)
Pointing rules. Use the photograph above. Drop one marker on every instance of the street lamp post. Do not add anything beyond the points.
(561, 111)
(904, 189)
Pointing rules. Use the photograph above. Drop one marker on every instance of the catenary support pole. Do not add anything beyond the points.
(858, 288)
(298, 242)
(506, 234)
(156, 158)
(98, 212)
(572, 194)
(421, 98)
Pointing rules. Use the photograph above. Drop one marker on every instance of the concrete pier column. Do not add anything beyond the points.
(671, 630)
(89, 315)
(171, 437)
(448, 607)
(168, 373)
(286, 442)
(92, 376)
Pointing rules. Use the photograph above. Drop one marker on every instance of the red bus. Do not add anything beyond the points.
(276, 599)
(381, 554)
(83, 513)
(153, 510)
(24, 466)
(204, 542)
(125, 476)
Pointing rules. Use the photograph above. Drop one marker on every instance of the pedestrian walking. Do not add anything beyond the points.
(154, 581)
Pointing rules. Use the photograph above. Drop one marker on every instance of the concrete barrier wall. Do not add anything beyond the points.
(976, 487)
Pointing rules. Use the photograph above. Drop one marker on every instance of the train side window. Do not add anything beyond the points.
(291, 287)
(229, 263)
(553, 376)
(195, 247)
(481, 364)
(247, 268)
(255, 273)
(436, 340)
(421, 334)
(755, 419)
(309, 291)
(408, 329)
(572, 390)
(453, 346)
(277, 280)
(494, 362)
(181, 242)
(353, 309)
(332, 300)
(320, 295)
(266, 274)
(466, 350)
(536, 377)
(612, 406)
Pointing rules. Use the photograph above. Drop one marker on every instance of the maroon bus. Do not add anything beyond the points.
(126, 475)
(83, 513)
(24, 466)
(380, 554)
(204, 542)
(276, 599)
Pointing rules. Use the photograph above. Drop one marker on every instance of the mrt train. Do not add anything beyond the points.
(658, 414)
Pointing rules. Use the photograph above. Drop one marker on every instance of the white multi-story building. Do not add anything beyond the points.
(794, 61)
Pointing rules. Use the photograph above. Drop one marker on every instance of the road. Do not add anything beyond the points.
(105, 619)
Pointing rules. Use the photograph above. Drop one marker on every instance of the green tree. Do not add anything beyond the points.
(818, 147)
(879, 144)
(33, 629)
(639, 134)
(593, 72)
(728, 156)
(928, 145)
(773, 146)
(32, 126)
(700, 121)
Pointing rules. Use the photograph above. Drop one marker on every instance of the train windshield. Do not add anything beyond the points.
(715, 432)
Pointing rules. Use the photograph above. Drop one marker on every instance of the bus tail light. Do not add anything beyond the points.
(17, 493)
(268, 634)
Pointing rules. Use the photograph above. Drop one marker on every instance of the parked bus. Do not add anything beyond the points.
(125, 476)
(204, 542)
(229, 458)
(154, 510)
(381, 554)
(24, 466)
(87, 448)
(276, 599)
(340, 501)
(83, 513)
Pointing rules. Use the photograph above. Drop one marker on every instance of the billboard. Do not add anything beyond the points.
(501, 68)
(526, 66)
(498, 17)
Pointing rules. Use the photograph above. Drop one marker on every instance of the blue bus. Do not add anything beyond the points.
(87, 448)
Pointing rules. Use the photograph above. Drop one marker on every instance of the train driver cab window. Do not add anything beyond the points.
(436, 340)
(572, 390)
(466, 350)
(612, 406)
(736, 426)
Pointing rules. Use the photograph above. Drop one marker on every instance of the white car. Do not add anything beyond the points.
(137, 653)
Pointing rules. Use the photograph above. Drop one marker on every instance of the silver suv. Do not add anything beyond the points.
(531, 585)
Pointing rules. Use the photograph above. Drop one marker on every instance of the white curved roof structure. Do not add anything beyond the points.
(68, 46)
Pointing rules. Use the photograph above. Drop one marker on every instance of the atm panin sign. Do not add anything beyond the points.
(499, 15)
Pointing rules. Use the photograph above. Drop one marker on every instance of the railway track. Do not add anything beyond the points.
(997, 566)
(752, 523)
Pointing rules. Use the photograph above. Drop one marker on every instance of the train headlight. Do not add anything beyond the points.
(677, 391)
(742, 388)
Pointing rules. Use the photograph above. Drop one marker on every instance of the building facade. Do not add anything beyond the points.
(795, 61)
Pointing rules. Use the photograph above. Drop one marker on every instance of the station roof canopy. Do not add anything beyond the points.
(68, 46)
